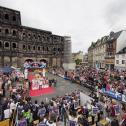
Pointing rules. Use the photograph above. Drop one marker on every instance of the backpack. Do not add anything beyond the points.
(41, 112)
(72, 123)
(42, 124)
(34, 108)
(22, 123)
(123, 123)
(83, 121)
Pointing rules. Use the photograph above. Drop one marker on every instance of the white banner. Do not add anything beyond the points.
(84, 99)
(124, 98)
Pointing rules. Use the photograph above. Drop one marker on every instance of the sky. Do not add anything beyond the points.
(84, 20)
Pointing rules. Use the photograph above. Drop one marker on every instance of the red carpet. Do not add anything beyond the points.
(41, 92)
(48, 90)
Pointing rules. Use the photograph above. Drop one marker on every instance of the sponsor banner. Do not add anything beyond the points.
(113, 94)
(76, 104)
(95, 110)
(117, 109)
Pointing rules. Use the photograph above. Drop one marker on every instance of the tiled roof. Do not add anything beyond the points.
(114, 35)
(123, 51)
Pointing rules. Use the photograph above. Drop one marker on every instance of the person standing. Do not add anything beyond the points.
(55, 82)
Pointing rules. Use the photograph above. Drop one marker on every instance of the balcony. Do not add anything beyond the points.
(109, 56)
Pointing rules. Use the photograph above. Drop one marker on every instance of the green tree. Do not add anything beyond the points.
(78, 61)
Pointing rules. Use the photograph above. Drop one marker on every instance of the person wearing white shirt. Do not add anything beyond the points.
(7, 113)
(12, 106)
(72, 117)
(52, 120)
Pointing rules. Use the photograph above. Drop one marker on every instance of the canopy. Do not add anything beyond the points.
(6, 69)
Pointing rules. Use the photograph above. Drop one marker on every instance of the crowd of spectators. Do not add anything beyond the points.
(96, 79)
(17, 105)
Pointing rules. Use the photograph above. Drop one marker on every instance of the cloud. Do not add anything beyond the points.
(84, 20)
(116, 14)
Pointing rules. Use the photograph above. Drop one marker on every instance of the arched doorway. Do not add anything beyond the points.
(29, 60)
(28, 63)
(44, 63)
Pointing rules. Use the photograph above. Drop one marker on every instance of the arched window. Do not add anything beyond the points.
(47, 49)
(29, 47)
(7, 44)
(54, 49)
(35, 36)
(33, 47)
(29, 35)
(24, 47)
(14, 18)
(23, 34)
(44, 38)
(0, 44)
(48, 39)
(6, 31)
(7, 16)
(39, 48)
(14, 32)
(14, 45)
(39, 37)
(59, 49)
(43, 48)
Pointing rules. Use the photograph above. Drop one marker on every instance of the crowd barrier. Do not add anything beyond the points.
(110, 93)
(114, 95)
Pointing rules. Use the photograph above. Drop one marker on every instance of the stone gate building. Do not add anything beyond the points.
(19, 43)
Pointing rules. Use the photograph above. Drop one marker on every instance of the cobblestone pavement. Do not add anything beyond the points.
(63, 87)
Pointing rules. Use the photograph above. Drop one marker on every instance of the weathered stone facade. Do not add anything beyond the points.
(19, 43)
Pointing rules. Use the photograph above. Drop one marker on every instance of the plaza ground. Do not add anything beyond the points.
(63, 86)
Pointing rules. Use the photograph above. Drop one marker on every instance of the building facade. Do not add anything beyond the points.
(85, 59)
(78, 55)
(111, 49)
(120, 59)
(19, 43)
(99, 53)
